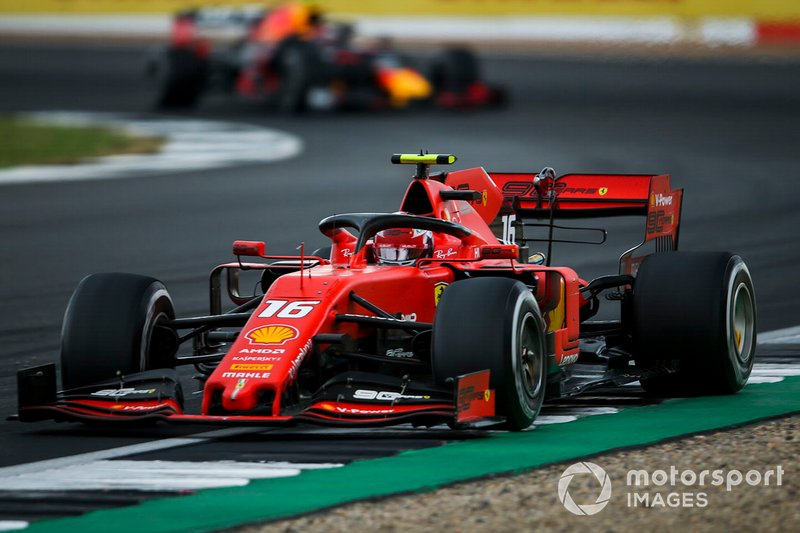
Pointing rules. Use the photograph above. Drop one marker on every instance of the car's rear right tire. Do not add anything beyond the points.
(455, 70)
(297, 65)
(493, 324)
(694, 314)
(111, 327)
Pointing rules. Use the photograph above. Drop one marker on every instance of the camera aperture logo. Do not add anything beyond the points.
(586, 509)
(671, 488)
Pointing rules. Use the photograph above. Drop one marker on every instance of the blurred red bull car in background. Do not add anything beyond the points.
(296, 60)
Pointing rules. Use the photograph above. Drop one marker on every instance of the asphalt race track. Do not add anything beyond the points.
(727, 130)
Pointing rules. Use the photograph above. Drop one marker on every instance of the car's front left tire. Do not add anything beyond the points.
(493, 324)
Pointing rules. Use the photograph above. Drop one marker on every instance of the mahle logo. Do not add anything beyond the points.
(588, 508)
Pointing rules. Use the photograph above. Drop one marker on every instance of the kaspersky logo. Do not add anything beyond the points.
(584, 509)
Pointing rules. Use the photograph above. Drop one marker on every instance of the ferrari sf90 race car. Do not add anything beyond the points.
(437, 313)
(294, 59)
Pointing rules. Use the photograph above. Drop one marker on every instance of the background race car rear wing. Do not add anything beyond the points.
(218, 24)
(543, 196)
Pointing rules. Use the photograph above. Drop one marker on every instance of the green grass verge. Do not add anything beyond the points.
(31, 142)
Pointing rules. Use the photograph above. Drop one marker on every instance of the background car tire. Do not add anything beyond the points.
(495, 324)
(179, 75)
(455, 70)
(296, 65)
(111, 325)
(695, 313)
(323, 251)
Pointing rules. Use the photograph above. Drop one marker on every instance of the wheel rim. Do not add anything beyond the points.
(742, 323)
(530, 357)
(152, 318)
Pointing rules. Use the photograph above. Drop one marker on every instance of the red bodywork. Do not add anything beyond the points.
(263, 364)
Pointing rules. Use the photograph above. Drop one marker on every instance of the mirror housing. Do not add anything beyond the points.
(249, 248)
(500, 251)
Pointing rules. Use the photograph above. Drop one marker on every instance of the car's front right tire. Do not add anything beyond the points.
(111, 327)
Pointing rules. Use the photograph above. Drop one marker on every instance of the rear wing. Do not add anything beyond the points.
(581, 195)
(214, 24)
(543, 196)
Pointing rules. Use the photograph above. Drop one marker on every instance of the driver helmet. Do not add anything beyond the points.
(402, 246)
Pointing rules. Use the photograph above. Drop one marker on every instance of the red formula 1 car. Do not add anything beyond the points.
(294, 59)
(434, 314)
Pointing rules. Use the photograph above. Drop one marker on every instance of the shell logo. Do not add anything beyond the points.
(271, 334)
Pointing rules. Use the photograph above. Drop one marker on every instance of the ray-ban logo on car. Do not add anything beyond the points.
(584, 509)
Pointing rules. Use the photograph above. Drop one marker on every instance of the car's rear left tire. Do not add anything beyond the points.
(694, 313)
(493, 324)
(179, 76)
(111, 326)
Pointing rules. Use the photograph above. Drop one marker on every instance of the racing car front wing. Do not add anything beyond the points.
(156, 396)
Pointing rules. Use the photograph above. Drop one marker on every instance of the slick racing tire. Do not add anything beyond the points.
(179, 75)
(296, 63)
(493, 324)
(455, 70)
(111, 326)
(323, 251)
(694, 314)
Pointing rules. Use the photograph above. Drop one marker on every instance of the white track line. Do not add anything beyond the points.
(764, 379)
(771, 369)
(112, 453)
(155, 475)
(12, 525)
(780, 336)
(571, 414)
(190, 145)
